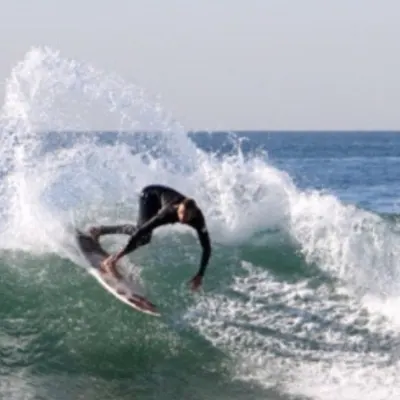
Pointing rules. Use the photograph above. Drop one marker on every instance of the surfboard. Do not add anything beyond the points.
(129, 291)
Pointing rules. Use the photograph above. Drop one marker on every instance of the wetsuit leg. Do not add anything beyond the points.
(125, 229)
(149, 205)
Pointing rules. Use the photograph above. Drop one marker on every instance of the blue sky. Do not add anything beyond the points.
(255, 64)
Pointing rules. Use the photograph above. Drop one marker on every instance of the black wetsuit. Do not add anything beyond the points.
(157, 207)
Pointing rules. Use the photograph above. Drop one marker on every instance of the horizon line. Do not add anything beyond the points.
(229, 130)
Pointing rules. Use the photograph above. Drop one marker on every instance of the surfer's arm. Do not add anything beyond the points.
(141, 233)
(204, 238)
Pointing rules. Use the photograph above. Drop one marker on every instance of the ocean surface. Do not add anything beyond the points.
(301, 296)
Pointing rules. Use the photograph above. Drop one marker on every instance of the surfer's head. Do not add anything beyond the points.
(187, 210)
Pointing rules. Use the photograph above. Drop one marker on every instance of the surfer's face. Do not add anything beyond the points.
(185, 214)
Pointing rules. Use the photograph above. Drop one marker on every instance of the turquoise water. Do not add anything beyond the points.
(300, 299)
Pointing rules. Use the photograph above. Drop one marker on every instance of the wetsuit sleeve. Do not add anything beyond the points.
(159, 219)
(204, 238)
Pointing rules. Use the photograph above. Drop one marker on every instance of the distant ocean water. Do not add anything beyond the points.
(301, 296)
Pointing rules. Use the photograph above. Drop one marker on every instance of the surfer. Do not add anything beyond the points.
(159, 205)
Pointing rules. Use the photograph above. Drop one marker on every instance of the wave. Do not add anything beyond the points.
(301, 313)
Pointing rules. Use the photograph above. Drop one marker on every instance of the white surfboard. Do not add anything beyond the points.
(129, 292)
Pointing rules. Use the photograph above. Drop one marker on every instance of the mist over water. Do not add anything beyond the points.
(301, 293)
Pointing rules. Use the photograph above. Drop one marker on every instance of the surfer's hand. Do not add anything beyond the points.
(109, 263)
(196, 282)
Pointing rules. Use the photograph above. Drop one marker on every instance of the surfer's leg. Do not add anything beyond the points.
(125, 229)
(149, 206)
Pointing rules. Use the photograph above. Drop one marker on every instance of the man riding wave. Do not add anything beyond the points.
(159, 205)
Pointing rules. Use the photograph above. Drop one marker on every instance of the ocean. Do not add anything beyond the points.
(300, 299)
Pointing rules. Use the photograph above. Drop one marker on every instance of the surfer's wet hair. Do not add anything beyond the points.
(189, 204)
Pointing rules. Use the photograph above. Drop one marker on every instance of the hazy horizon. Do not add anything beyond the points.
(263, 66)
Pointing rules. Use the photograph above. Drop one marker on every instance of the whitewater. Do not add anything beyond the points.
(300, 297)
